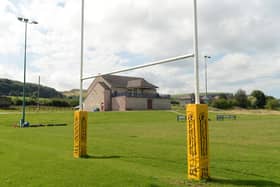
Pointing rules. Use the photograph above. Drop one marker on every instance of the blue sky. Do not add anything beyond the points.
(240, 36)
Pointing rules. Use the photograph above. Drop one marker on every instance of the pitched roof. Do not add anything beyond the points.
(127, 82)
(104, 85)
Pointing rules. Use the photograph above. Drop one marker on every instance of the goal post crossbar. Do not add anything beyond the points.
(164, 61)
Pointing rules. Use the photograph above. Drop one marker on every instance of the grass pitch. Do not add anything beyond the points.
(137, 149)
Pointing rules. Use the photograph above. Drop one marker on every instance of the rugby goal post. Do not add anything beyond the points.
(197, 114)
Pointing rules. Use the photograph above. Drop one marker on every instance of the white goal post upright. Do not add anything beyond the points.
(197, 122)
(80, 116)
(195, 51)
(82, 56)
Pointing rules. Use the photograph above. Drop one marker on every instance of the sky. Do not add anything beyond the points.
(242, 38)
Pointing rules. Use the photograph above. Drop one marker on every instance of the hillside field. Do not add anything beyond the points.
(144, 148)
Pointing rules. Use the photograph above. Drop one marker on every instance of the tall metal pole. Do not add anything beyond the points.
(205, 69)
(82, 57)
(38, 101)
(195, 43)
(24, 78)
(25, 21)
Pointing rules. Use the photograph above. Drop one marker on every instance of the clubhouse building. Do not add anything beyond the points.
(122, 93)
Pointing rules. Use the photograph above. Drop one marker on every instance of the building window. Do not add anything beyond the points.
(132, 92)
(139, 91)
(115, 93)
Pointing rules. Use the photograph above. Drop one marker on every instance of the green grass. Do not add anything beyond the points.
(137, 149)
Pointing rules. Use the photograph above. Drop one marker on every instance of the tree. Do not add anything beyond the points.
(272, 104)
(222, 96)
(222, 103)
(252, 101)
(241, 98)
(260, 98)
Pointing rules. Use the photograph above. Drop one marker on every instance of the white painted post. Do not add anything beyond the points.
(195, 43)
(82, 58)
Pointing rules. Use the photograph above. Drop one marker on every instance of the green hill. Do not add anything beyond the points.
(74, 93)
(14, 88)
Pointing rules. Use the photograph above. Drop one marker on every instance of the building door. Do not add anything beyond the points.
(149, 104)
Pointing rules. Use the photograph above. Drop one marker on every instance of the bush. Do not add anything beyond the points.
(73, 102)
(5, 101)
(222, 103)
(56, 102)
(59, 103)
(16, 101)
(173, 102)
(30, 101)
(272, 104)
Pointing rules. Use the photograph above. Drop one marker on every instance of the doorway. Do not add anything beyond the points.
(149, 104)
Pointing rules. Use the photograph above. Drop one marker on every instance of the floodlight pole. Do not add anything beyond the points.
(38, 97)
(82, 58)
(195, 43)
(25, 21)
(205, 68)
(24, 77)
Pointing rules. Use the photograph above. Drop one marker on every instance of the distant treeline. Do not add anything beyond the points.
(7, 101)
(15, 88)
(255, 100)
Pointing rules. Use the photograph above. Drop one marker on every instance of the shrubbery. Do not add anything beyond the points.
(222, 103)
(272, 104)
(173, 102)
(65, 102)
(255, 100)
(5, 101)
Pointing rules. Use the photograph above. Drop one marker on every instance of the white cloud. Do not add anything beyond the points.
(243, 71)
(241, 37)
(9, 37)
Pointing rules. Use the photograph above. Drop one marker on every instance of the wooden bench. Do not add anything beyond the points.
(221, 117)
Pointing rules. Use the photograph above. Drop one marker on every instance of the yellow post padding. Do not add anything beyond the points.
(80, 134)
(197, 141)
